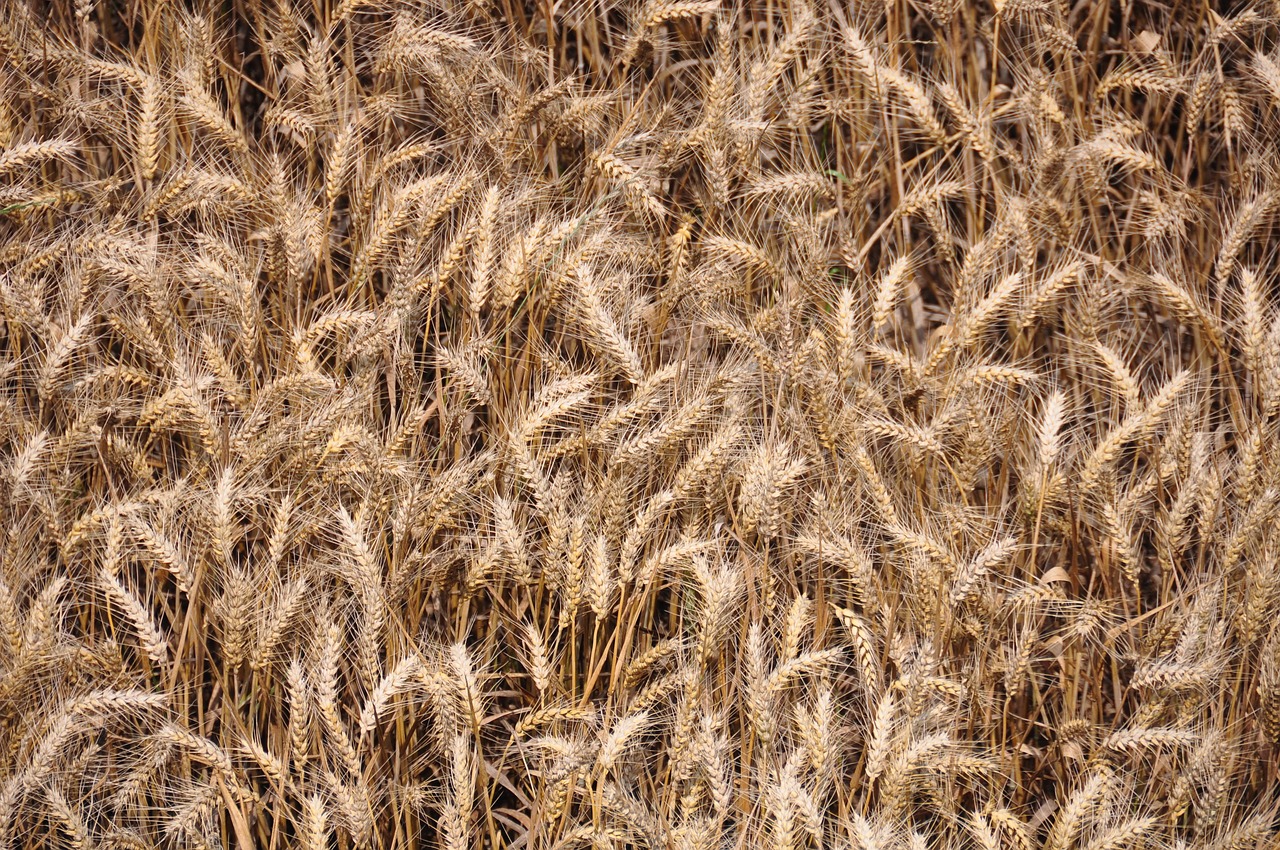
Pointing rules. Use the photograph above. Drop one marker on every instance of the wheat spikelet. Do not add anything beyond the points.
(1125, 384)
(1130, 740)
(401, 678)
(77, 832)
(864, 644)
(200, 106)
(326, 697)
(153, 640)
(22, 156)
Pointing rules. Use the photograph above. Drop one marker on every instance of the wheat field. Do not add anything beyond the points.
(670, 425)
